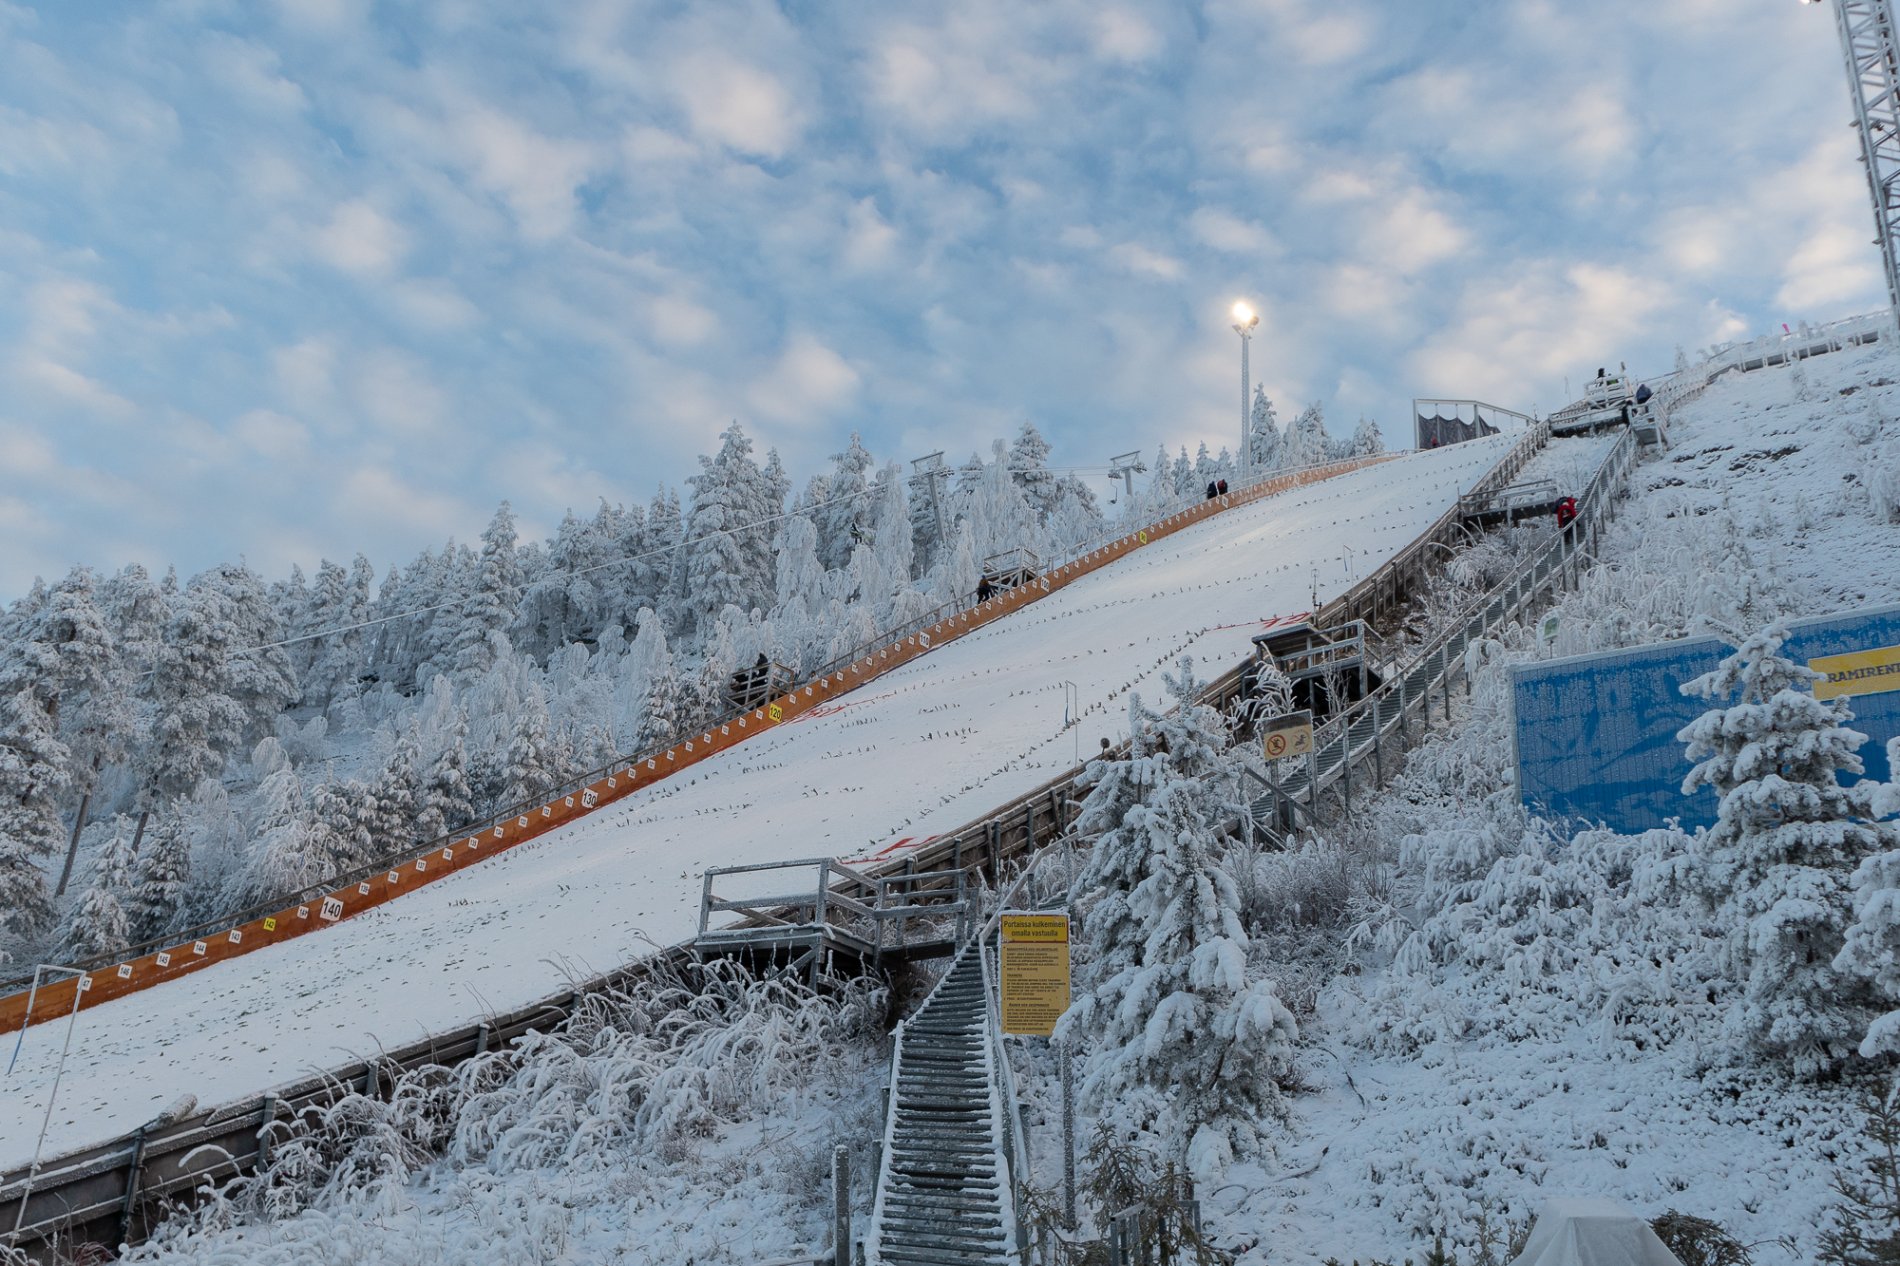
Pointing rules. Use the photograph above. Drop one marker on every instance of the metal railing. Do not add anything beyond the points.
(1357, 735)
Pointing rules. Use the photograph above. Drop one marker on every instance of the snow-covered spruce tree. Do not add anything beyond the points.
(33, 772)
(1872, 948)
(843, 511)
(1179, 1036)
(100, 924)
(1029, 467)
(726, 558)
(1264, 444)
(1307, 443)
(162, 875)
(1777, 868)
(483, 619)
(1366, 439)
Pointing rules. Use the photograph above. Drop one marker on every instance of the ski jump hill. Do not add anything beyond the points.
(956, 719)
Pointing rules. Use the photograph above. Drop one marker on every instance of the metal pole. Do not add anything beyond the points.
(58, 1073)
(1068, 1138)
(841, 1205)
(1245, 421)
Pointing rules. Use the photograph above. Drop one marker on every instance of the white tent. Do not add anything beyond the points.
(1592, 1233)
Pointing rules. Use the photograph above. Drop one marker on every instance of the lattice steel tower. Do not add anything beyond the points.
(1873, 75)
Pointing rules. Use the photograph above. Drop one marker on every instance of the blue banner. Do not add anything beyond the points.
(1596, 734)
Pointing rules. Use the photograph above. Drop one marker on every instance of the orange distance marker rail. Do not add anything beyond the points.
(137, 974)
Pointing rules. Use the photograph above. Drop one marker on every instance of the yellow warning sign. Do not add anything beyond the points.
(1859, 673)
(1290, 735)
(1142, 536)
(1035, 972)
(775, 712)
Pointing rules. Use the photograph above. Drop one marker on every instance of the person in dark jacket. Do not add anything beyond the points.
(1212, 489)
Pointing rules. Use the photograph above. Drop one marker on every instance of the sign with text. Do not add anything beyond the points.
(1290, 735)
(1035, 972)
(1859, 673)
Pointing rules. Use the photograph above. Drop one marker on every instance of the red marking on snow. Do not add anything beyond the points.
(1263, 625)
(903, 844)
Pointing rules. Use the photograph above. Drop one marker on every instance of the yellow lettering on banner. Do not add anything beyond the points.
(777, 713)
(1034, 972)
(1859, 673)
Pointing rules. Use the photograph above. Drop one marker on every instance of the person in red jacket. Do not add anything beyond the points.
(1566, 511)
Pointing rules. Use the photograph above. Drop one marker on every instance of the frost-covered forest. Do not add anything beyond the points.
(174, 750)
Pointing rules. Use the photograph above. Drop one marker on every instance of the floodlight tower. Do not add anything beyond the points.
(1245, 318)
(1873, 77)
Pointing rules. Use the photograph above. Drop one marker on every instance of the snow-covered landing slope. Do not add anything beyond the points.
(923, 750)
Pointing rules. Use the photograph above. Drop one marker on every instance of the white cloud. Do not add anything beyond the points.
(272, 435)
(398, 396)
(1227, 232)
(306, 371)
(1122, 35)
(535, 175)
(433, 304)
(870, 241)
(809, 383)
(1140, 260)
(253, 72)
(360, 240)
(740, 106)
(678, 321)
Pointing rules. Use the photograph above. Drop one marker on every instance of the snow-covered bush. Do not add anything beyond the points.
(649, 1071)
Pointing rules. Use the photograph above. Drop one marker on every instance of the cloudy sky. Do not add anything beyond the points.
(293, 279)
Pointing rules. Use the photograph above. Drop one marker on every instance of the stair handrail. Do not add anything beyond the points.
(874, 1228)
(1004, 1100)
(1337, 729)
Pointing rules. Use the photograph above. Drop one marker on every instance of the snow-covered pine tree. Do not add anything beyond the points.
(726, 558)
(1366, 439)
(284, 857)
(261, 678)
(444, 801)
(161, 878)
(321, 672)
(1179, 1034)
(531, 763)
(1776, 870)
(1264, 443)
(1307, 443)
(196, 723)
(34, 767)
(483, 619)
(846, 513)
(97, 720)
(1029, 467)
(659, 714)
(1872, 947)
(100, 924)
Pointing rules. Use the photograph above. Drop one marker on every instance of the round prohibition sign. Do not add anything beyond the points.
(1276, 745)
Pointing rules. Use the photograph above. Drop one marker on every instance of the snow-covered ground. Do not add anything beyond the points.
(923, 750)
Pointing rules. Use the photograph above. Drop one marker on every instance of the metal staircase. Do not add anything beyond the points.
(952, 1143)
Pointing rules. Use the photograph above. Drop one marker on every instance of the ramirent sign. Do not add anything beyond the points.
(1861, 673)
